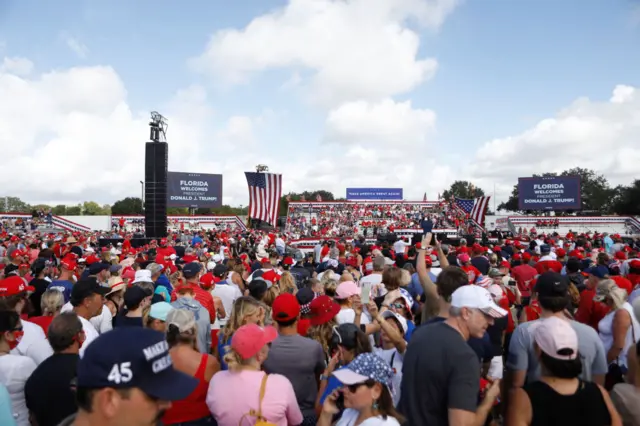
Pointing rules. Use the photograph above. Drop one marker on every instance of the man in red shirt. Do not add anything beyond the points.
(547, 262)
(589, 311)
(191, 272)
(524, 274)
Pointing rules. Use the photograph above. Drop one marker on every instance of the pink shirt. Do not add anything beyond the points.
(231, 395)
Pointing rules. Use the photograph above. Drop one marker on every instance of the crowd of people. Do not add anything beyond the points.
(348, 219)
(227, 328)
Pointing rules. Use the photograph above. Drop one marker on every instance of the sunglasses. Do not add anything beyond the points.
(354, 388)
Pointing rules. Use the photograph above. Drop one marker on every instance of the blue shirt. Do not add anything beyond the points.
(410, 328)
(221, 351)
(332, 384)
(63, 286)
(415, 288)
(6, 415)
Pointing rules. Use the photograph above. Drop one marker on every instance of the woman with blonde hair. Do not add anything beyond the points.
(618, 329)
(246, 310)
(323, 311)
(183, 348)
(244, 394)
(287, 283)
(51, 303)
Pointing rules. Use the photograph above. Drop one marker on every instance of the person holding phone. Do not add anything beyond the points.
(366, 395)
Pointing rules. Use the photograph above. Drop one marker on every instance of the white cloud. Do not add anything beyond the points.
(354, 49)
(386, 123)
(17, 66)
(76, 45)
(599, 135)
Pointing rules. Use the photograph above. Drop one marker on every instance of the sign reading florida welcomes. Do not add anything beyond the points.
(194, 190)
(549, 193)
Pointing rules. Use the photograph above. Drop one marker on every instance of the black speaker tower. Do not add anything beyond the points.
(155, 176)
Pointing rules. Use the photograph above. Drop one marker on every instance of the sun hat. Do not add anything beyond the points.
(142, 275)
(323, 309)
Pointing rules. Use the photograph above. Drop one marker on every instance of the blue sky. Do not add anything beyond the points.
(503, 67)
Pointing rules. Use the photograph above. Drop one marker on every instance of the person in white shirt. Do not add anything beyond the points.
(226, 291)
(400, 246)
(87, 299)
(14, 369)
(374, 278)
(280, 245)
(34, 344)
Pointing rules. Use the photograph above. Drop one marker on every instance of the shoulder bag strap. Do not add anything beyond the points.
(263, 388)
(633, 329)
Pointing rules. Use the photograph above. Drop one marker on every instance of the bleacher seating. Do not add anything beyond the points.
(349, 218)
(578, 224)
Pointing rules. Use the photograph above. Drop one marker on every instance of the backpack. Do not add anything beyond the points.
(260, 420)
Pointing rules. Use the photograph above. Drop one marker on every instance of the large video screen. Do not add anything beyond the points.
(195, 190)
(549, 193)
(374, 193)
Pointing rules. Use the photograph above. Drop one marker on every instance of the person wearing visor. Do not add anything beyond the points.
(366, 395)
(126, 377)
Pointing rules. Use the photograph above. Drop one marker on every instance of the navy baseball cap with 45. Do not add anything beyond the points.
(133, 357)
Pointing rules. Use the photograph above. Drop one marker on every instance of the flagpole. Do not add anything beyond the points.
(494, 198)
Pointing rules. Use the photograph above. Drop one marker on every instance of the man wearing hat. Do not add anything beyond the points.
(87, 301)
(299, 359)
(13, 296)
(126, 377)
(225, 291)
(191, 272)
(440, 382)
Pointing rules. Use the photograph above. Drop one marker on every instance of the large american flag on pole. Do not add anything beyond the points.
(476, 209)
(265, 190)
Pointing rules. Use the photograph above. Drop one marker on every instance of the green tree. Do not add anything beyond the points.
(14, 204)
(59, 209)
(462, 189)
(128, 205)
(91, 208)
(627, 199)
(74, 210)
(308, 196)
(178, 210)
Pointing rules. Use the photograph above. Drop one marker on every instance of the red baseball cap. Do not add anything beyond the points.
(207, 281)
(620, 255)
(17, 253)
(249, 339)
(285, 308)
(517, 256)
(69, 264)
(271, 275)
(14, 285)
(561, 252)
(287, 260)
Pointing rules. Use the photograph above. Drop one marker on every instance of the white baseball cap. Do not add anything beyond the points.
(402, 321)
(476, 297)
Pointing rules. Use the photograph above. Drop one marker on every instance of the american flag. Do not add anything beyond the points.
(265, 190)
(476, 209)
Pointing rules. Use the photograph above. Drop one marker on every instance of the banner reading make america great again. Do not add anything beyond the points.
(374, 193)
(194, 190)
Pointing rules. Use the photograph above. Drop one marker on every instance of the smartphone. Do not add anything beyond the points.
(340, 402)
(365, 293)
